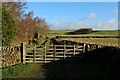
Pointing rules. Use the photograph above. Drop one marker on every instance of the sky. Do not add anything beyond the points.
(75, 15)
(73, 0)
(62, 0)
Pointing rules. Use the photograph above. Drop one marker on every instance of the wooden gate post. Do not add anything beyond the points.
(84, 45)
(73, 50)
(35, 53)
(22, 50)
(86, 48)
(54, 52)
(64, 51)
(97, 46)
(45, 54)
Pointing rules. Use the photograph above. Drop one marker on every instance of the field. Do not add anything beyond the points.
(99, 41)
(54, 33)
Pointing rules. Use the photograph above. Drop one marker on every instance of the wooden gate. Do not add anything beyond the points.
(44, 54)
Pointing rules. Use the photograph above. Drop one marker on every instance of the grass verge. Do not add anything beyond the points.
(23, 71)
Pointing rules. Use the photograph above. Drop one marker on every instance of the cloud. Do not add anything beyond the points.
(105, 25)
(90, 16)
(69, 25)
(110, 24)
(57, 24)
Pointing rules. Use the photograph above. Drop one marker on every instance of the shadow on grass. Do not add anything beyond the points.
(99, 64)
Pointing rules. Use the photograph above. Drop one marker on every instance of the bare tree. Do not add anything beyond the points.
(42, 27)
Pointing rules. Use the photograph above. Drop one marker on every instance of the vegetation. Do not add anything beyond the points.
(83, 31)
(8, 27)
(26, 25)
(41, 26)
(23, 71)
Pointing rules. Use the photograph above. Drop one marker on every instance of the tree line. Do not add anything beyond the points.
(17, 25)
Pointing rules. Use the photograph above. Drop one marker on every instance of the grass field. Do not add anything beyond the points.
(99, 41)
(54, 33)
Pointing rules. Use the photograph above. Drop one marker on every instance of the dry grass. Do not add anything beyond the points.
(99, 41)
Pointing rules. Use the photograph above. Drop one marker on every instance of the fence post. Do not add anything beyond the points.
(45, 54)
(86, 48)
(64, 51)
(73, 49)
(84, 45)
(97, 46)
(22, 50)
(34, 53)
(50, 42)
(54, 52)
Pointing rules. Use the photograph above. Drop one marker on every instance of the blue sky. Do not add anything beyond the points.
(72, 0)
(74, 15)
